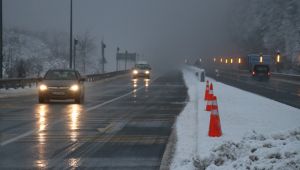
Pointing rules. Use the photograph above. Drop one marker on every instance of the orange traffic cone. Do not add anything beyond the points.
(211, 91)
(210, 98)
(206, 97)
(215, 123)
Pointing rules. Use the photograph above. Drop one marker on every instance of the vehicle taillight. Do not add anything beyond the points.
(253, 73)
(269, 73)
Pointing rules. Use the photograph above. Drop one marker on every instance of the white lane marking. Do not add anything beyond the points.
(112, 100)
(88, 109)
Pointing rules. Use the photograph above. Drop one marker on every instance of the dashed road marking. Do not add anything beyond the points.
(60, 120)
(6, 142)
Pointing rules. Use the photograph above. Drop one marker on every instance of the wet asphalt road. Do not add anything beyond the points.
(122, 125)
(281, 90)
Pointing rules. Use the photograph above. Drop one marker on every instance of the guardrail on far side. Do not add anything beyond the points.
(29, 82)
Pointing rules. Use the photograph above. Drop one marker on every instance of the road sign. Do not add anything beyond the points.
(126, 56)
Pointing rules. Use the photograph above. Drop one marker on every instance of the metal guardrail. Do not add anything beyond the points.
(23, 82)
(96, 77)
(286, 76)
(17, 83)
(281, 76)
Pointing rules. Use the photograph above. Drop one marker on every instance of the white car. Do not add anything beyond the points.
(141, 70)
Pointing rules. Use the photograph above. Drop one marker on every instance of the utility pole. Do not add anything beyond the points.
(103, 46)
(75, 43)
(117, 60)
(71, 34)
(1, 42)
(126, 53)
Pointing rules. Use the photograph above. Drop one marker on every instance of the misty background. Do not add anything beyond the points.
(163, 32)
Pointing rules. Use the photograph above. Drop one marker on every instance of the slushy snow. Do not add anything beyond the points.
(258, 133)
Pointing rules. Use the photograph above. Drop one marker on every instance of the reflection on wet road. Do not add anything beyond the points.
(74, 112)
(124, 124)
(140, 82)
(41, 116)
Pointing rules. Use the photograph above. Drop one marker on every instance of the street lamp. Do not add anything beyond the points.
(261, 59)
(75, 43)
(71, 34)
(278, 57)
(1, 42)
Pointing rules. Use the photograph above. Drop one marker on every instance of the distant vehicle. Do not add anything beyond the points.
(61, 84)
(141, 69)
(256, 59)
(261, 72)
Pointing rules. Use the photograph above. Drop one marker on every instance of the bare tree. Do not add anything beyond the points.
(86, 48)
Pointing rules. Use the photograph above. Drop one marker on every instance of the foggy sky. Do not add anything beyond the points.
(161, 30)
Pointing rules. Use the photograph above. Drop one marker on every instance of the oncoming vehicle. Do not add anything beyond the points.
(61, 84)
(261, 72)
(141, 69)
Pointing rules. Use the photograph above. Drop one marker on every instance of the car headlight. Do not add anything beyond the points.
(147, 72)
(43, 87)
(74, 87)
(135, 72)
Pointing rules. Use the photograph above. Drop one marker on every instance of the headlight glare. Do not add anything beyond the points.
(135, 72)
(74, 87)
(43, 87)
(147, 72)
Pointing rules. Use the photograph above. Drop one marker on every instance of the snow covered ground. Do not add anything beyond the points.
(258, 133)
(17, 92)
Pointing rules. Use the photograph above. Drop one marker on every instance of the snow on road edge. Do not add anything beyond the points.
(244, 126)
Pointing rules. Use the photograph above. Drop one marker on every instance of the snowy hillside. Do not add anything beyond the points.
(267, 26)
(31, 54)
(21, 50)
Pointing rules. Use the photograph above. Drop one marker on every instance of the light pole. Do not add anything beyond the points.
(1, 42)
(75, 43)
(71, 33)
(103, 46)
(126, 53)
(117, 59)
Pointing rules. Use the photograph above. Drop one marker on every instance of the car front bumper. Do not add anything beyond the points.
(60, 94)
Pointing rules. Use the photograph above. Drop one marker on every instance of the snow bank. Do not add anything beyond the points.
(249, 122)
(256, 151)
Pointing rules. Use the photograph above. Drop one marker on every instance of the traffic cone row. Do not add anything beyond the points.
(212, 106)
(215, 123)
(206, 97)
(210, 95)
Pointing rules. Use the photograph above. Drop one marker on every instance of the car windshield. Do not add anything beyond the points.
(142, 66)
(61, 75)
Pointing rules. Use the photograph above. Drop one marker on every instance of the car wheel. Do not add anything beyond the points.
(41, 99)
(79, 99)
